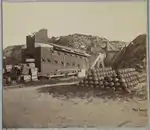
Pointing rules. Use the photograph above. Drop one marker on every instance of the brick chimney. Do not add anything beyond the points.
(30, 42)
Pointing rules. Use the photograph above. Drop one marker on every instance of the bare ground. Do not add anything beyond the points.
(32, 107)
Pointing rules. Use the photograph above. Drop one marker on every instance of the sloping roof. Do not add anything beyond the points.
(67, 49)
(43, 45)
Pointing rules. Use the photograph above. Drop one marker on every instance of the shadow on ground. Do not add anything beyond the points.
(74, 91)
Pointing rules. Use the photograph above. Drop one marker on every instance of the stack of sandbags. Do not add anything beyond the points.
(25, 70)
(111, 82)
(31, 65)
(25, 73)
(142, 78)
(124, 80)
(95, 78)
(34, 74)
(34, 71)
(127, 78)
(26, 78)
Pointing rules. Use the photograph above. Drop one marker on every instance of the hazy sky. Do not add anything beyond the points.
(112, 20)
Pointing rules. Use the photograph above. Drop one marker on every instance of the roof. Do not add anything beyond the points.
(38, 45)
(43, 45)
(71, 50)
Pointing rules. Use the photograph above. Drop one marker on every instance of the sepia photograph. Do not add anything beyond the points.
(71, 64)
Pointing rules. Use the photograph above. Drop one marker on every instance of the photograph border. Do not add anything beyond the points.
(1, 66)
(1, 57)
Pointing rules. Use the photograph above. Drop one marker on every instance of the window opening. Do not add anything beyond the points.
(62, 62)
(48, 60)
(79, 65)
(56, 61)
(43, 59)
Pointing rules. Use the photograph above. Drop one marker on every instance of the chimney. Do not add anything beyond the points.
(30, 42)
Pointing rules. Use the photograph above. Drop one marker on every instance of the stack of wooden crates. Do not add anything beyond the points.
(34, 72)
(30, 73)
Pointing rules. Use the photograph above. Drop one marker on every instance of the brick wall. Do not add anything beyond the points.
(51, 61)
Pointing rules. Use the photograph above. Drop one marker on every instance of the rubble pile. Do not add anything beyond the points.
(88, 43)
(12, 54)
(109, 79)
(132, 56)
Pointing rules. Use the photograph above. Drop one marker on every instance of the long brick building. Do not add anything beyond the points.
(52, 59)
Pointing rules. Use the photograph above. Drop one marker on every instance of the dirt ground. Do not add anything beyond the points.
(32, 107)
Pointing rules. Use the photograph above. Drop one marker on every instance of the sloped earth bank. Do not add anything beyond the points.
(72, 107)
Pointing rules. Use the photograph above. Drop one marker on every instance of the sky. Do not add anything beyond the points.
(112, 20)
